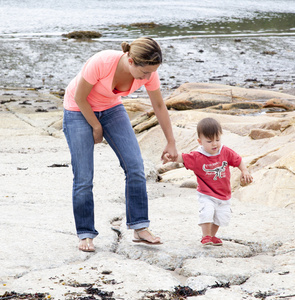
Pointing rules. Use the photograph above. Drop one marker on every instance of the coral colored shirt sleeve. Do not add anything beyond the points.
(213, 173)
(99, 71)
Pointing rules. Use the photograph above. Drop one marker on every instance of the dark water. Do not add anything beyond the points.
(245, 43)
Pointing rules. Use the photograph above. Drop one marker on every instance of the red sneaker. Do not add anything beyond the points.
(207, 240)
(216, 241)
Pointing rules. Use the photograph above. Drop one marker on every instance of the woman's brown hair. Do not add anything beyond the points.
(144, 51)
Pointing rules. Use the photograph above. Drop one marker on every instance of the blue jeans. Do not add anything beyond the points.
(119, 134)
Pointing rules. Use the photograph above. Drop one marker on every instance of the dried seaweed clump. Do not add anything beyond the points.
(144, 25)
(83, 35)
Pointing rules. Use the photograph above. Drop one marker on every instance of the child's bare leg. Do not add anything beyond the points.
(206, 232)
(206, 229)
(216, 241)
(214, 229)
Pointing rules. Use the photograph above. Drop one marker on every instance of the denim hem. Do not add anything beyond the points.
(139, 225)
(86, 235)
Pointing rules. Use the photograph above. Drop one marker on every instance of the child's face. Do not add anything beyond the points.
(210, 145)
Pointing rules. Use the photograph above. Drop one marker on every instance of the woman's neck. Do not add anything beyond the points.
(124, 65)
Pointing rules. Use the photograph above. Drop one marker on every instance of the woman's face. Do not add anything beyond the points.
(139, 72)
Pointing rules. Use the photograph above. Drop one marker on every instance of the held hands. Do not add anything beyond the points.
(166, 158)
(169, 153)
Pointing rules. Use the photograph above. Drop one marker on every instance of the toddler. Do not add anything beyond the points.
(211, 162)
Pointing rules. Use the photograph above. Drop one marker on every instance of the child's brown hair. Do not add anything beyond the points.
(209, 128)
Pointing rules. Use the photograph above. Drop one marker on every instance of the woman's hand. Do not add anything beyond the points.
(170, 152)
(98, 134)
(81, 94)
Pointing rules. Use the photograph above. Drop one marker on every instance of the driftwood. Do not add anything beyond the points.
(151, 122)
(142, 118)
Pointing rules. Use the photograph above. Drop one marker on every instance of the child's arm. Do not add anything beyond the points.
(245, 175)
(166, 158)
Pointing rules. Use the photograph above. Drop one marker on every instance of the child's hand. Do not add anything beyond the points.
(246, 178)
(166, 158)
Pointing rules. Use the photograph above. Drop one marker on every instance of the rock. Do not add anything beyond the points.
(279, 125)
(239, 105)
(288, 105)
(201, 282)
(136, 107)
(128, 279)
(257, 134)
(189, 97)
(286, 162)
(82, 35)
(279, 181)
(236, 271)
(270, 285)
(150, 170)
(231, 293)
(201, 95)
(57, 125)
(191, 184)
(163, 168)
(144, 24)
(258, 243)
(179, 176)
(269, 53)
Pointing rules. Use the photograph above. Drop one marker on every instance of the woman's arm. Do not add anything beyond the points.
(161, 113)
(81, 94)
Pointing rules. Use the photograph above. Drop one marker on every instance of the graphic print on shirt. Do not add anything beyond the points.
(218, 171)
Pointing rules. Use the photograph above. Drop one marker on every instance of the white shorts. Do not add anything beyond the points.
(212, 210)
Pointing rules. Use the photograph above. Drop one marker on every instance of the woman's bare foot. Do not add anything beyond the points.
(86, 245)
(143, 235)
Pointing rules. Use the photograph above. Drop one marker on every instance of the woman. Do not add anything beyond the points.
(92, 110)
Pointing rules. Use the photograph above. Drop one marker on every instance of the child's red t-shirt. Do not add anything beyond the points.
(213, 173)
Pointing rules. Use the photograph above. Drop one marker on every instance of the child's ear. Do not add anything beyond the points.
(199, 141)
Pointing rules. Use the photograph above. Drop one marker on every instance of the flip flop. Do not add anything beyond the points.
(88, 245)
(144, 241)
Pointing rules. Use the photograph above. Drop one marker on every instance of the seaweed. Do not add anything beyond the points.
(14, 295)
(82, 35)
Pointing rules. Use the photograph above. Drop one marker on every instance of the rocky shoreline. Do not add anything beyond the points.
(252, 62)
(39, 257)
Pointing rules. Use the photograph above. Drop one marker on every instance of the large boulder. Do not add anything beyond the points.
(202, 95)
